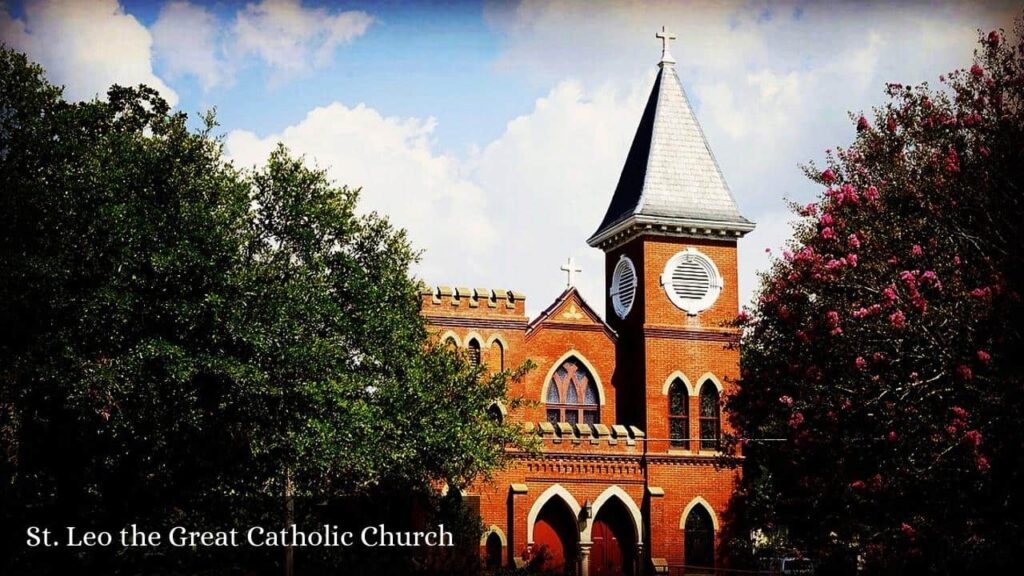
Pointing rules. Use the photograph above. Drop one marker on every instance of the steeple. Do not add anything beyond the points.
(671, 182)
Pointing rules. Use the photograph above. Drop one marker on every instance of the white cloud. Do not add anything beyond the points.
(771, 85)
(293, 39)
(548, 178)
(289, 38)
(84, 46)
(402, 176)
(186, 38)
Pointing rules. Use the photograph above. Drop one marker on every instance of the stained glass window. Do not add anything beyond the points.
(679, 414)
(710, 419)
(570, 383)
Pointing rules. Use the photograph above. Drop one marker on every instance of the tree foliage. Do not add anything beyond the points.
(179, 332)
(882, 385)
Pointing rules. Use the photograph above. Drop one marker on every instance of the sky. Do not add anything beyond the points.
(494, 132)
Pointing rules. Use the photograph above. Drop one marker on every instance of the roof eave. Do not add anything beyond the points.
(637, 224)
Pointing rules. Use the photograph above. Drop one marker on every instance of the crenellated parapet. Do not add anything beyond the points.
(586, 437)
(464, 301)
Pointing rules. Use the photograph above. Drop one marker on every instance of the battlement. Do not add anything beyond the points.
(459, 301)
(572, 437)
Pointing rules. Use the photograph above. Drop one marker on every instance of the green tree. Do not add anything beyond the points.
(884, 350)
(186, 342)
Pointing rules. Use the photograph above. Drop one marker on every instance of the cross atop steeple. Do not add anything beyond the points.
(666, 54)
(570, 268)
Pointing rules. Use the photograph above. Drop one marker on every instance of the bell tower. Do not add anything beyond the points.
(669, 236)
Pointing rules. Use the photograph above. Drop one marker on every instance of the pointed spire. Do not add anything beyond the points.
(671, 181)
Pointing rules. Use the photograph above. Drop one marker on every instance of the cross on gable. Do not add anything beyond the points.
(570, 268)
(666, 37)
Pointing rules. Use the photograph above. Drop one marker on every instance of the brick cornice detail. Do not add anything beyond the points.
(462, 322)
(676, 333)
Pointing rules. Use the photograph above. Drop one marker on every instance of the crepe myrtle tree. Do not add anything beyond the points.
(185, 341)
(881, 386)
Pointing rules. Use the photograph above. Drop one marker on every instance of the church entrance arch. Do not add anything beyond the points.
(613, 552)
(556, 538)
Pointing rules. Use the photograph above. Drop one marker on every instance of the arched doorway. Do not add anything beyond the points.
(699, 544)
(613, 552)
(494, 550)
(556, 537)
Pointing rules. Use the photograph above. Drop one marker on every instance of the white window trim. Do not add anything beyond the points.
(690, 306)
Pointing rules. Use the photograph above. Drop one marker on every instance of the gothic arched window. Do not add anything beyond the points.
(494, 412)
(473, 351)
(700, 538)
(679, 414)
(710, 418)
(451, 344)
(572, 395)
(499, 352)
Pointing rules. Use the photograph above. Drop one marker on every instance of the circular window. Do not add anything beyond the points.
(623, 290)
(692, 281)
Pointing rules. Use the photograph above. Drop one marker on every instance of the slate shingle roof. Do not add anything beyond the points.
(670, 175)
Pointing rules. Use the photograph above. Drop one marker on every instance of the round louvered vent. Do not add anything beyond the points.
(623, 289)
(691, 281)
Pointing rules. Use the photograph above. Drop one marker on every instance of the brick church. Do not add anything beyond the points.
(630, 479)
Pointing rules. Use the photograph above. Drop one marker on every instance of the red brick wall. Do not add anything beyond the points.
(632, 364)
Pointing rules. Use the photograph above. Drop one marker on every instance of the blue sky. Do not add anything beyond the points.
(494, 132)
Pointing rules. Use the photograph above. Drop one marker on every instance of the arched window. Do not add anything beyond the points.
(710, 420)
(451, 344)
(473, 351)
(679, 414)
(499, 352)
(494, 411)
(494, 550)
(572, 395)
(700, 538)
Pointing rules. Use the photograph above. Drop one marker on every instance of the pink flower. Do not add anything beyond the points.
(908, 530)
(977, 71)
(860, 363)
(980, 292)
(826, 219)
(892, 436)
(956, 260)
(853, 241)
(890, 124)
(786, 400)
(851, 259)
(993, 38)
(871, 193)
(796, 420)
(908, 278)
(890, 293)
(952, 161)
(897, 319)
(964, 372)
(833, 317)
(858, 485)
(972, 438)
(787, 255)
(862, 124)
(743, 316)
(959, 412)
(984, 357)
(916, 250)
(828, 176)
(951, 430)
(827, 233)
(982, 463)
